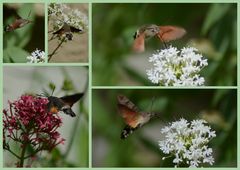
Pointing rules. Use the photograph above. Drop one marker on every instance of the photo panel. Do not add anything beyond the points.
(164, 128)
(45, 116)
(95, 96)
(164, 44)
(23, 34)
(68, 32)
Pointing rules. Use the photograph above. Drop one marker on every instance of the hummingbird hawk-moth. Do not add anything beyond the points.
(133, 117)
(164, 33)
(19, 22)
(63, 104)
(67, 30)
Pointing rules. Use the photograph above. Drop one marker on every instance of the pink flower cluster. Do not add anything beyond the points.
(28, 122)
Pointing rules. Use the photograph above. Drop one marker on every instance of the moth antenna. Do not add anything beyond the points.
(42, 95)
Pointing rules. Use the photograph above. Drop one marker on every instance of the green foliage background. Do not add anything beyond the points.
(140, 149)
(211, 27)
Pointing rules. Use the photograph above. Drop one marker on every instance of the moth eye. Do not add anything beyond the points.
(135, 35)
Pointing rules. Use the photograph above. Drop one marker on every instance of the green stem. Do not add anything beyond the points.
(54, 51)
(73, 134)
(24, 147)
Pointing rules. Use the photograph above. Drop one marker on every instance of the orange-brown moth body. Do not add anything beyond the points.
(18, 23)
(133, 117)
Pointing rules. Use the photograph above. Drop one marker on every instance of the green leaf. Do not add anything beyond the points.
(216, 12)
(15, 55)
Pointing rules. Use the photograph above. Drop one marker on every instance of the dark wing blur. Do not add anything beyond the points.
(75, 30)
(18, 16)
(71, 99)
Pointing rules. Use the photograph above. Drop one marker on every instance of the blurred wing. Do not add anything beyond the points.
(169, 33)
(17, 16)
(123, 100)
(71, 99)
(59, 32)
(130, 117)
(128, 111)
(63, 29)
(138, 44)
(75, 30)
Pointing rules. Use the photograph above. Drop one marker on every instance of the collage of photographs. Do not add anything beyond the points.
(119, 85)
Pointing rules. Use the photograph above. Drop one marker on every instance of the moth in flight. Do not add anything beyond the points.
(67, 30)
(19, 22)
(133, 117)
(164, 33)
(63, 104)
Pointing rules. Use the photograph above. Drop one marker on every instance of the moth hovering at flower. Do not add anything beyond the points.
(133, 117)
(19, 22)
(63, 104)
(164, 33)
(67, 30)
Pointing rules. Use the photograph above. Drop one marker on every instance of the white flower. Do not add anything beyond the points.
(61, 14)
(187, 142)
(173, 67)
(36, 56)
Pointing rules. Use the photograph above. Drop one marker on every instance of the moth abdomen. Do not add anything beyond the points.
(68, 111)
(127, 131)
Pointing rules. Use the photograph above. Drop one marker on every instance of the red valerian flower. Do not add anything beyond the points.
(29, 123)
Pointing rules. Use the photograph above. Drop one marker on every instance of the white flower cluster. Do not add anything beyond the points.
(36, 56)
(187, 142)
(172, 67)
(61, 13)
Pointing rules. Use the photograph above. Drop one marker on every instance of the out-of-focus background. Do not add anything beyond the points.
(140, 149)
(18, 44)
(19, 80)
(72, 51)
(211, 28)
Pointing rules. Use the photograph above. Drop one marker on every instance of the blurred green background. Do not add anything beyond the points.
(140, 149)
(19, 44)
(19, 80)
(212, 28)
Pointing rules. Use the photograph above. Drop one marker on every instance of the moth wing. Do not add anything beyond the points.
(138, 44)
(123, 100)
(75, 30)
(128, 111)
(169, 33)
(130, 116)
(17, 16)
(71, 99)
(59, 32)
